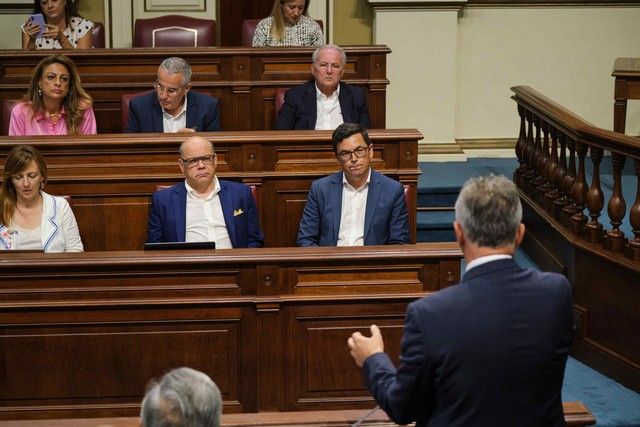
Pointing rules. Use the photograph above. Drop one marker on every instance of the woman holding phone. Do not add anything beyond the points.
(62, 29)
(55, 103)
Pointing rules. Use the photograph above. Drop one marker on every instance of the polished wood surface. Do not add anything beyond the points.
(110, 178)
(244, 79)
(562, 209)
(575, 415)
(627, 86)
(82, 334)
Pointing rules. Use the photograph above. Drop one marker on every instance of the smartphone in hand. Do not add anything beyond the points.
(38, 18)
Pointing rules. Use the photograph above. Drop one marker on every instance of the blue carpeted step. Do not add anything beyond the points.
(435, 226)
(437, 196)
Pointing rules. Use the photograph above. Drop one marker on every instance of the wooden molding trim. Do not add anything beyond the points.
(468, 144)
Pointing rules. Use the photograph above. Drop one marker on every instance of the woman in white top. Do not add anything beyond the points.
(64, 29)
(31, 219)
(288, 25)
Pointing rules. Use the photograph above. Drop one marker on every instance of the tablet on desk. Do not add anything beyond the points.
(178, 245)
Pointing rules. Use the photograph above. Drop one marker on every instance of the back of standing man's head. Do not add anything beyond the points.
(489, 211)
(183, 397)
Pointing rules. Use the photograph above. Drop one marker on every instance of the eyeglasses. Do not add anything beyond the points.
(359, 152)
(170, 91)
(193, 161)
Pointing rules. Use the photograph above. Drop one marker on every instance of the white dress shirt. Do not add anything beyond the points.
(485, 259)
(329, 114)
(354, 206)
(205, 221)
(171, 124)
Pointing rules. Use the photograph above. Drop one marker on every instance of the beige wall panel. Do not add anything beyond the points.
(421, 69)
(352, 22)
(565, 53)
(93, 10)
(10, 35)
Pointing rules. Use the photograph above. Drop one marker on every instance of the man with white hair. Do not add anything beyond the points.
(490, 351)
(173, 106)
(183, 397)
(325, 102)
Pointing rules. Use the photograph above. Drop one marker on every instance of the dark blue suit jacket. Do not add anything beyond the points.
(385, 220)
(145, 113)
(490, 351)
(299, 110)
(167, 217)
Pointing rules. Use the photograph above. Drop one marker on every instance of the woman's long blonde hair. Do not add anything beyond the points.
(279, 22)
(18, 160)
(76, 101)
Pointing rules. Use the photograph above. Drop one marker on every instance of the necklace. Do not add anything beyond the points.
(52, 115)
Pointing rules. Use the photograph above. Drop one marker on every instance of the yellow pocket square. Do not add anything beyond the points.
(237, 212)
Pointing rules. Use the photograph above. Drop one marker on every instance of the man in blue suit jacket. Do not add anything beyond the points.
(490, 351)
(204, 208)
(339, 102)
(357, 206)
(173, 107)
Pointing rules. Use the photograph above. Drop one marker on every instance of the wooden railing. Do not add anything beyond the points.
(563, 209)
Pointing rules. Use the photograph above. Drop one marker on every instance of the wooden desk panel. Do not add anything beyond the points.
(244, 79)
(111, 177)
(81, 334)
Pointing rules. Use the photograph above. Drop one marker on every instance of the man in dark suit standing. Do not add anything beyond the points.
(490, 351)
(356, 206)
(325, 102)
(173, 107)
(204, 208)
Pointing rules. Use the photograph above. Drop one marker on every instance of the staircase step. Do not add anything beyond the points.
(435, 226)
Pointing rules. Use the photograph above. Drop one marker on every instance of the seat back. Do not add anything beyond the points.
(97, 35)
(278, 100)
(125, 98)
(174, 31)
(7, 105)
(249, 29)
(410, 200)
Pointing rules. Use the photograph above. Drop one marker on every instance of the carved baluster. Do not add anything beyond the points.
(520, 145)
(595, 198)
(544, 160)
(561, 172)
(579, 191)
(614, 240)
(633, 248)
(528, 149)
(536, 153)
(569, 179)
(552, 167)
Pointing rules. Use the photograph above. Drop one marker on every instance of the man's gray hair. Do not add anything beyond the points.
(489, 211)
(175, 65)
(343, 56)
(183, 397)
